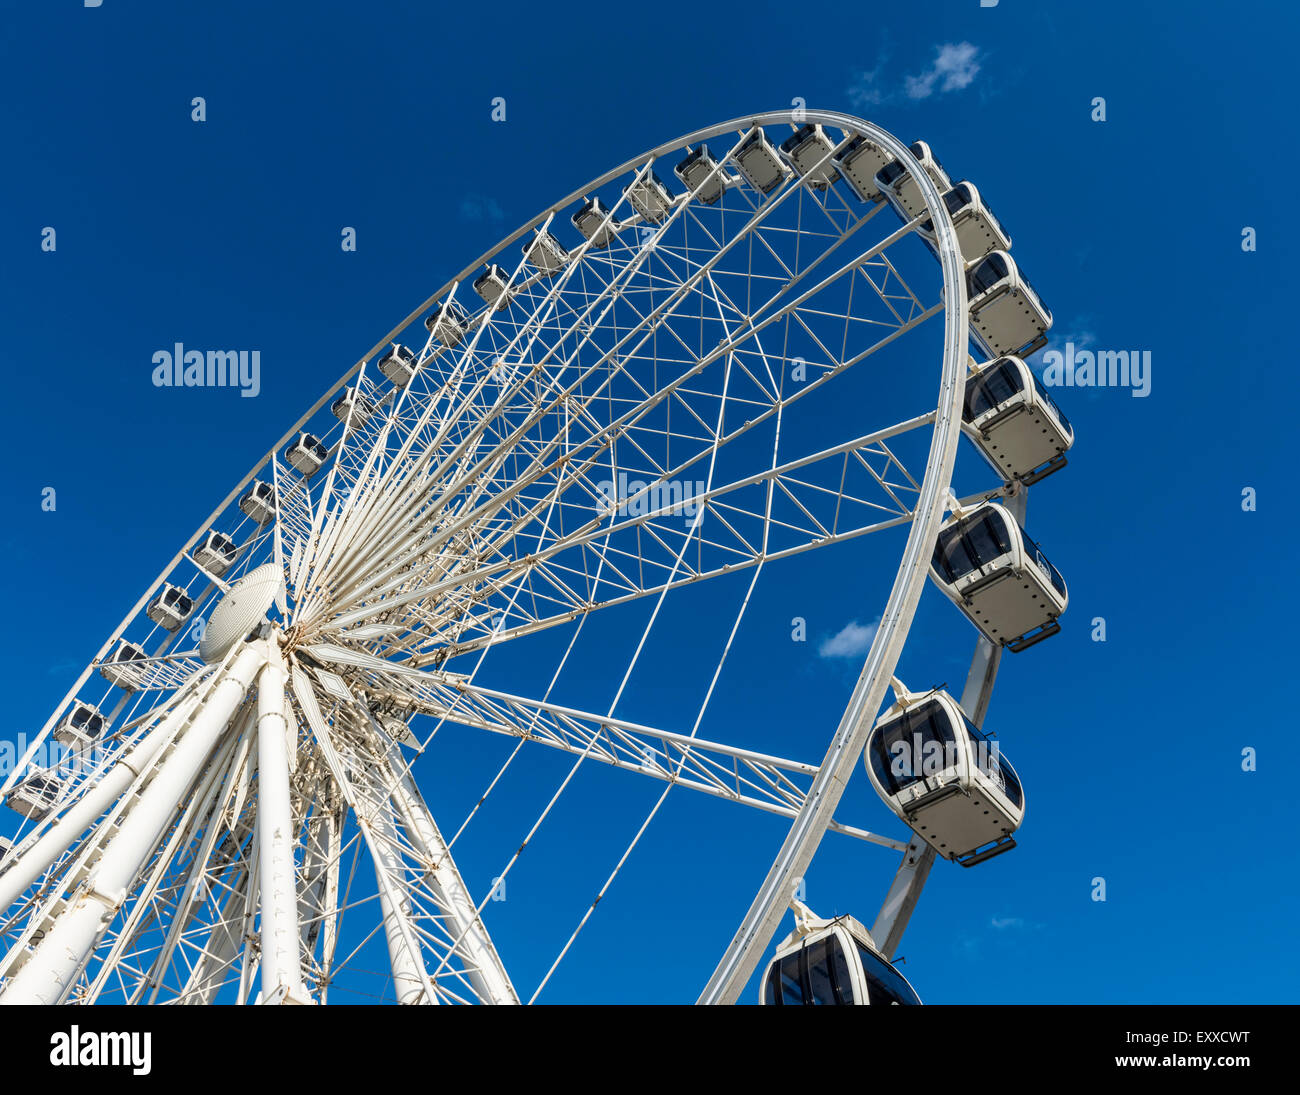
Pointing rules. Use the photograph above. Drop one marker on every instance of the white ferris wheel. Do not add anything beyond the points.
(732, 357)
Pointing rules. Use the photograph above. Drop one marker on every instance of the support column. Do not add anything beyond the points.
(281, 962)
(58, 958)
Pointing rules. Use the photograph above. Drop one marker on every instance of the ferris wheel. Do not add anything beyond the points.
(732, 357)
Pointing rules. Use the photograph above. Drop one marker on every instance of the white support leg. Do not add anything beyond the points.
(281, 962)
(30, 863)
(487, 972)
(48, 974)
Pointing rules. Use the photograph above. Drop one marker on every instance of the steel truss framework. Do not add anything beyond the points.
(606, 433)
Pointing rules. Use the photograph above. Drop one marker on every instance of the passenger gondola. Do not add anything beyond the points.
(216, 553)
(859, 161)
(700, 169)
(649, 197)
(36, 794)
(1014, 422)
(170, 608)
(833, 962)
(809, 150)
(947, 780)
(545, 252)
(978, 230)
(354, 406)
(398, 365)
(491, 286)
(760, 164)
(988, 566)
(307, 454)
(1006, 315)
(896, 183)
(117, 668)
(595, 223)
(81, 725)
(448, 324)
(258, 502)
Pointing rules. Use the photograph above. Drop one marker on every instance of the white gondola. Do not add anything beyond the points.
(760, 164)
(491, 286)
(809, 151)
(398, 365)
(307, 454)
(831, 962)
(978, 230)
(947, 780)
(117, 668)
(894, 181)
(595, 223)
(649, 197)
(988, 566)
(1006, 315)
(258, 502)
(448, 324)
(546, 253)
(859, 161)
(170, 608)
(699, 168)
(216, 553)
(353, 403)
(1014, 422)
(81, 725)
(35, 795)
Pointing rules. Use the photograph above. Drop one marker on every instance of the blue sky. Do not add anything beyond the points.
(226, 233)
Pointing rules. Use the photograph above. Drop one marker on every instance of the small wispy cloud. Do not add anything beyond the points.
(851, 641)
(476, 207)
(1002, 923)
(955, 66)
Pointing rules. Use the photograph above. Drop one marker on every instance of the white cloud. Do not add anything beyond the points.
(955, 65)
(1002, 922)
(851, 641)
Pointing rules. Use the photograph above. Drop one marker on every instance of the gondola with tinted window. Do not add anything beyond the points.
(988, 566)
(491, 286)
(118, 669)
(258, 502)
(448, 324)
(36, 794)
(859, 162)
(216, 553)
(699, 169)
(978, 230)
(398, 365)
(947, 780)
(80, 726)
(760, 164)
(809, 151)
(1006, 315)
(1014, 422)
(546, 253)
(353, 405)
(649, 197)
(896, 182)
(170, 608)
(595, 223)
(307, 454)
(831, 962)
